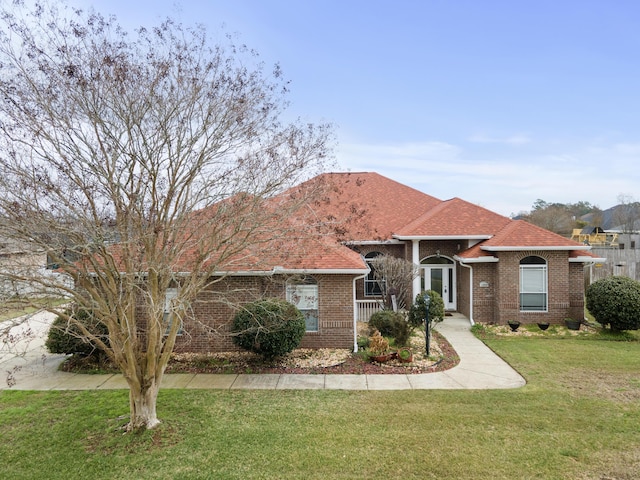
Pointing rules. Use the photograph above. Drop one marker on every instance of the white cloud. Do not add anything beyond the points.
(501, 180)
(517, 139)
(628, 149)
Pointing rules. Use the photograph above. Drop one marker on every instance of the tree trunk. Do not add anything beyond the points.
(142, 404)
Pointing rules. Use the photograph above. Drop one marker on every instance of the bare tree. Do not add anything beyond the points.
(626, 214)
(141, 162)
(395, 276)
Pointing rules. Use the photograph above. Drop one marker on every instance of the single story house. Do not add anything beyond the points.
(486, 266)
(18, 259)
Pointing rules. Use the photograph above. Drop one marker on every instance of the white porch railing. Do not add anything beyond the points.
(366, 308)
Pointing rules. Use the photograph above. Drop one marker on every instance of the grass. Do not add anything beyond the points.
(18, 306)
(577, 418)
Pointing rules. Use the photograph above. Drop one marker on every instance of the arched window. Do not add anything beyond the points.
(303, 293)
(372, 287)
(533, 284)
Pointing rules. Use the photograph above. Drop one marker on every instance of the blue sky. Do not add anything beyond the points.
(496, 102)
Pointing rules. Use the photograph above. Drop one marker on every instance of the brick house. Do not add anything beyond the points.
(486, 266)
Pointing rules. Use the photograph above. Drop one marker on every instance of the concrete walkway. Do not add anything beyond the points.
(479, 368)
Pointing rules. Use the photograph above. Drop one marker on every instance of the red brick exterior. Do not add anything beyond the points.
(495, 297)
(497, 300)
(208, 324)
(496, 285)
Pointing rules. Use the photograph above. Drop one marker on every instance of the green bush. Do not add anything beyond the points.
(66, 338)
(419, 308)
(391, 324)
(615, 302)
(383, 321)
(270, 328)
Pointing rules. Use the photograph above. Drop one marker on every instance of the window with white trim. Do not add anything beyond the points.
(303, 293)
(169, 308)
(372, 286)
(533, 284)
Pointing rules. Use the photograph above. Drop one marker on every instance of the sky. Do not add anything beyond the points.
(498, 102)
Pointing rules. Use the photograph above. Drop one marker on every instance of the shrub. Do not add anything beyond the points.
(65, 336)
(270, 328)
(615, 301)
(419, 307)
(378, 345)
(383, 321)
(391, 324)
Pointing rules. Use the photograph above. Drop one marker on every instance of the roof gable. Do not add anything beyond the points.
(521, 235)
(455, 217)
(368, 206)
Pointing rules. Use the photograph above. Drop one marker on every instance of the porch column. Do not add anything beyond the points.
(415, 258)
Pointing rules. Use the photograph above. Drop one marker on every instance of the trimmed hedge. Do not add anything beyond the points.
(270, 328)
(66, 338)
(615, 301)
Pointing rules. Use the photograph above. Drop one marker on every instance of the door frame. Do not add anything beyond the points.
(448, 278)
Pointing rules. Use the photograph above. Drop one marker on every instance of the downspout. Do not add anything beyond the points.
(470, 291)
(415, 258)
(355, 313)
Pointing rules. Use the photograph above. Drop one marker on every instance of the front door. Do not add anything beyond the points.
(441, 278)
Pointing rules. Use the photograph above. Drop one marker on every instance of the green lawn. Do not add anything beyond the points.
(16, 307)
(578, 418)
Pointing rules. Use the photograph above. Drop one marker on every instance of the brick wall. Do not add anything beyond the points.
(206, 329)
(447, 248)
(484, 288)
(335, 305)
(576, 289)
(496, 286)
(561, 282)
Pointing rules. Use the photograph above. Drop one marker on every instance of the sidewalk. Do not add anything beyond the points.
(479, 368)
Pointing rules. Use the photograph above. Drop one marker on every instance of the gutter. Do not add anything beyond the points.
(588, 260)
(490, 248)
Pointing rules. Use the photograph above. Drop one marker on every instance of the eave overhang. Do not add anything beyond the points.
(392, 241)
(486, 259)
(489, 248)
(586, 259)
(296, 271)
(443, 237)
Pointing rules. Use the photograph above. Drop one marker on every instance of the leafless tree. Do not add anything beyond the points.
(395, 276)
(626, 214)
(142, 161)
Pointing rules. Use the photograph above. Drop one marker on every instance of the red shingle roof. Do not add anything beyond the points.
(519, 233)
(368, 206)
(300, 254)
(455, 217)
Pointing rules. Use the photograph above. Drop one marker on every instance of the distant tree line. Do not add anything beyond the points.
(562, 218)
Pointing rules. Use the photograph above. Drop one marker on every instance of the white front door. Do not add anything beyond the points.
(441, 279)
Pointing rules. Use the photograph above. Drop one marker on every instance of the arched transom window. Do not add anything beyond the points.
(372, 287)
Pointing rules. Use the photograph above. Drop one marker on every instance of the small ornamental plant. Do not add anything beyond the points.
(378, 345)
(405, 354)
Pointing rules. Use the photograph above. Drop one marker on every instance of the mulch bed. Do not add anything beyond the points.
(352, 364)
(303, 362)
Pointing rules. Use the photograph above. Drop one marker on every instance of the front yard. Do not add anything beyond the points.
(301, 361)
(578, 417)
